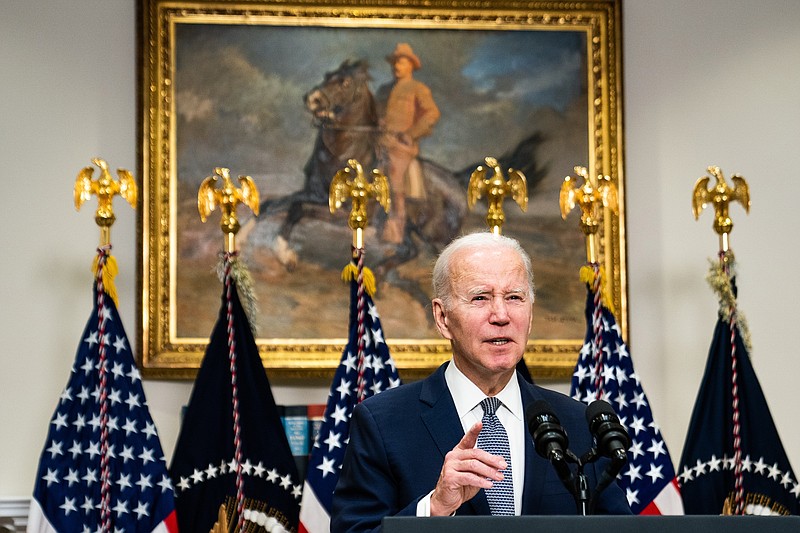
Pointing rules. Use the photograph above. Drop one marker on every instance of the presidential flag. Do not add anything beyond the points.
(232, 449)
(733, 461)
(605, 371)
(356, 379)
(102, 468)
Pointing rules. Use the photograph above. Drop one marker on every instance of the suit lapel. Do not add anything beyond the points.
(438, 413)
(535, 469)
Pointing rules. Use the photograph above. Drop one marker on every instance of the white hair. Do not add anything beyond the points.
(442, 270)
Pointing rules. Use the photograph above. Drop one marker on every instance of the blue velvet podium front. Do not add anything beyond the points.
(591, 524)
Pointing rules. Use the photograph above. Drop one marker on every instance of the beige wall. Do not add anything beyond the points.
(712, 82)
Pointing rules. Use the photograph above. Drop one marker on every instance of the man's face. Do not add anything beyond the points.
(402, 68)
(490, 314)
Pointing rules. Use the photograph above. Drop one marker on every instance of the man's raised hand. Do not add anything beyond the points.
(465, 471)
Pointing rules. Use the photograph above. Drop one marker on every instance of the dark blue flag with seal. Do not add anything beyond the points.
(733, 461)
(232, 449)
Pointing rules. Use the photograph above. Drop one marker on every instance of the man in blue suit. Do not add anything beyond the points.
(417, 450)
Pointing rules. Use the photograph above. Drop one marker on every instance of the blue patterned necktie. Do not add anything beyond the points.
(494, 439)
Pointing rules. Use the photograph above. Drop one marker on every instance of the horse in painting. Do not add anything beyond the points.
(343, 110)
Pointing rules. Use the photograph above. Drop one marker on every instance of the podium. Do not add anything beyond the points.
(591, 524)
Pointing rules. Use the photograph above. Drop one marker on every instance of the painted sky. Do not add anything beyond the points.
(240, 88)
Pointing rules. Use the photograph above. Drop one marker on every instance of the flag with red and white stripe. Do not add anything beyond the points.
(102, 468)
(366, 369)
(605, 371)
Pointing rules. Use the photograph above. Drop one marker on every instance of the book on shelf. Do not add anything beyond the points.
(301, 424)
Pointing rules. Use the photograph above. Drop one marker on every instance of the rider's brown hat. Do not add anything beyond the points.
(404, 50)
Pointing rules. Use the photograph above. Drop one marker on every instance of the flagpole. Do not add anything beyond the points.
(105, 188)
(228, 197)
(604, 369)
(495, 188)
(242, 472)
(365, 358)
(90, 411)
(361, 389)
(595, 193)
(721, 195)
(351, 183)
(592, 196)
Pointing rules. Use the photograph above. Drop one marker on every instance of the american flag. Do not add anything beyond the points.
(232, 448)
(605, 371)
(378, 373)
(733, 461)
(102, 468)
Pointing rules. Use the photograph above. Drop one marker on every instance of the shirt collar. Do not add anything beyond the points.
(466, 395)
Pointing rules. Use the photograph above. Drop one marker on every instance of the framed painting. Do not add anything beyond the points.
(286, 92)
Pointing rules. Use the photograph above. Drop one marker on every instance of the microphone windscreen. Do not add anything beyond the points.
(534, 412)
(599, 407)
(604, 425)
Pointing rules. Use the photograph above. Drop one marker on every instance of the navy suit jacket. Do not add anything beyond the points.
(398, 440)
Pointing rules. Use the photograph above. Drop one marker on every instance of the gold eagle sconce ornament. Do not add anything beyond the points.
(227, 198)
(495, 189)
(721, 196)
(595, 193)
(351, 182)
(105, 187)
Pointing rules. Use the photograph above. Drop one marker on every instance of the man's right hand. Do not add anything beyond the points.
(466, 470)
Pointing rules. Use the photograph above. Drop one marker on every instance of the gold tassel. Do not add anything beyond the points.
(587, 277)
(721, 284)
(350, 273)
(109, 272)
(245, 287)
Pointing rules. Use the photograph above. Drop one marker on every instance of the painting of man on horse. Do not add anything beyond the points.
(296, 244)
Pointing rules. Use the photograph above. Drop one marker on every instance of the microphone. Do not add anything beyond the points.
(550, 440)
(612, 439)
(612, 442)
(549, 436)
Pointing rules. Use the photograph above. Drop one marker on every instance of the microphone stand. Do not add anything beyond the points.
(605, 479)
(577, 484)
(544, 425)
(583, 496)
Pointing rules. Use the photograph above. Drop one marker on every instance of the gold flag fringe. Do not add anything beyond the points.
(110, 270)
(350, 273)
(221, 525)
(260, 517)
(720, 282)
(587, 277)
(244, 284)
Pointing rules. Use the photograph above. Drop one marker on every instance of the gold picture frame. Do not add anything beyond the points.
(220, 85)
